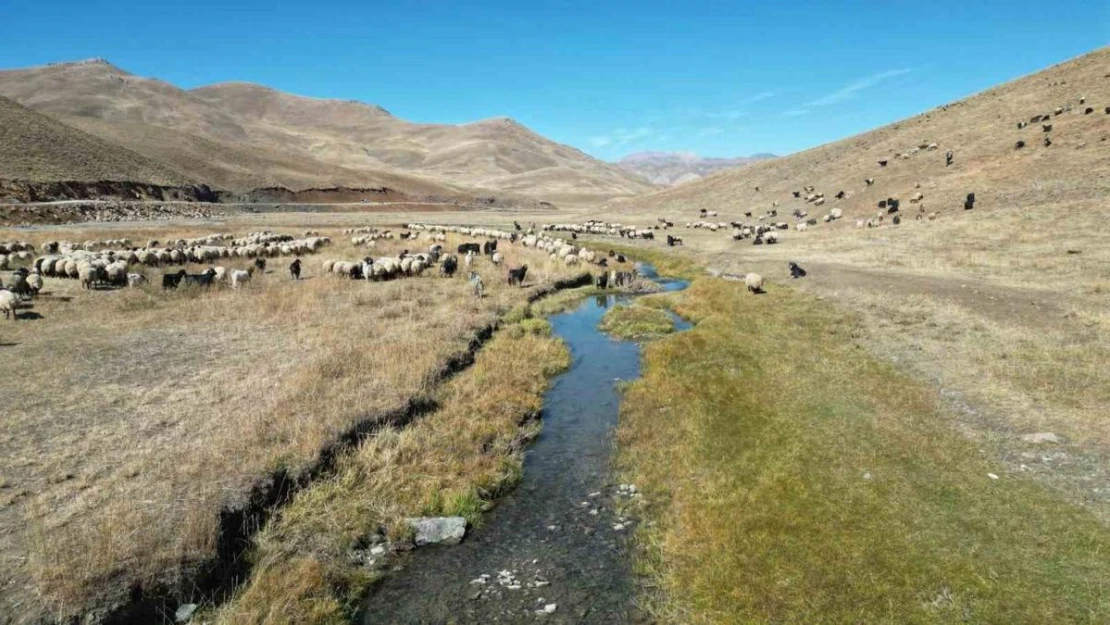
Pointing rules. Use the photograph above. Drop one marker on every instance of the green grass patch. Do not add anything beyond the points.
(791, 478)
(636, 322)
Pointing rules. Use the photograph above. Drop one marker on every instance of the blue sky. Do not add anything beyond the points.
(716, 78)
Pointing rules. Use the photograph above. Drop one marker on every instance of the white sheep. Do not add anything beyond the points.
(239, 278)
(754, 282)
(135, 280)
(497, 259)
(9, 302)
(35, 282)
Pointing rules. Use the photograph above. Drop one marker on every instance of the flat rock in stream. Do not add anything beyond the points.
(443, 530)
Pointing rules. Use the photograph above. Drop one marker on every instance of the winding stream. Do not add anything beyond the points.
(556, 534)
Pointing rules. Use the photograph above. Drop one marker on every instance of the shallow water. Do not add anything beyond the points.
(542, 532)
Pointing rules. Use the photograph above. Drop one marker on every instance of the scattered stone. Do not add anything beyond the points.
(438, 530)
(185, 612)
(866, 476)
(594, 494)
(992, 476)
(1041, 437)
(548, 609)
(377, 550)
(593, 512)
(619, 527)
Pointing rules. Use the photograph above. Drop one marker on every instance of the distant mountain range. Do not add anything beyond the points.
(669, 169)
(103, 121)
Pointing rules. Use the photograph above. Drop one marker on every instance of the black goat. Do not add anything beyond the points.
(796, 270)
(602, 280)
(171, 280)
(470, 247)
(516, 276)
(295, 269)
(200, 279)
(489, 247)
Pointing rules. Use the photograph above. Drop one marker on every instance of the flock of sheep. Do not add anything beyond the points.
(118, 262)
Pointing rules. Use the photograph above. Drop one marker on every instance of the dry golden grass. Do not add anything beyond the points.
(136, 415)
(450, 462)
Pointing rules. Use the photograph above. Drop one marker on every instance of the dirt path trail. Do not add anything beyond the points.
(555, 542)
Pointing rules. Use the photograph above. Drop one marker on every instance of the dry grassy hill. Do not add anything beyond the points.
(37, 148)
(241, 136)
(980, 130)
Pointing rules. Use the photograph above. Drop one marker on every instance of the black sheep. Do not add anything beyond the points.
(449, 266)
(516, 276)
(489, 247)
(295, 269)
(796, 271)
(470, 247)
(260, 263)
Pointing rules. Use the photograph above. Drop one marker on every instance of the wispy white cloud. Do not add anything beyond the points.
(849, 91)
(758, 97)
(622, 136)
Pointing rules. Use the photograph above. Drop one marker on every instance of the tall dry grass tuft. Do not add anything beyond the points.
(450, 462)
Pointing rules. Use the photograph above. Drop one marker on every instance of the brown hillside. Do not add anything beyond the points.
(241, 136)
(980, 130)
(37, 148)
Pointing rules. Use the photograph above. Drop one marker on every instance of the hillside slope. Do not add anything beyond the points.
(980, 130)
(38, 148)
(241, 136)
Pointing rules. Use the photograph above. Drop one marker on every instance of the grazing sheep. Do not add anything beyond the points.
(260, 263)
(468, 259)
(754, 282)
(1047, 141)
(476, 284)
(1019, 145)
(9, 303)
(449, 266)
(470, 247)
(602, 280)
(516, 276)
(883, 162)
(34, 283)
(240, 278)
(796, 270)
(135, 280)
(870, 181)
(948, 156)
(932, 216)
(295, 269)
(497, 259)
